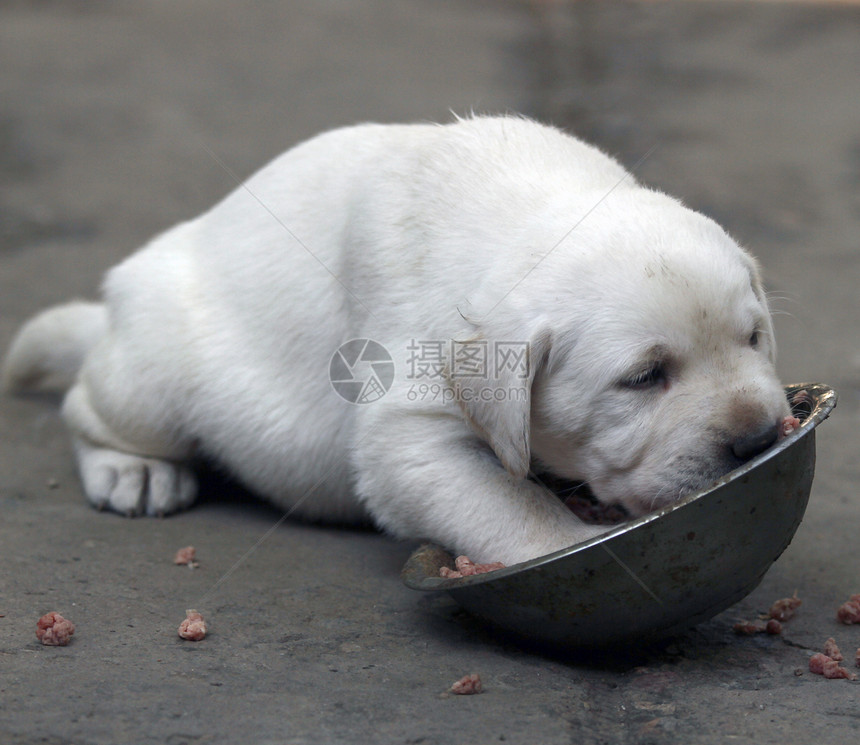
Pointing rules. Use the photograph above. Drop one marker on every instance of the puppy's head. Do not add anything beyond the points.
(651, 358)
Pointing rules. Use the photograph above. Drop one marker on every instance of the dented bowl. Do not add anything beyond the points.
(658, 574)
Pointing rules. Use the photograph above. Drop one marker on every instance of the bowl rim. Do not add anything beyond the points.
(824, 401)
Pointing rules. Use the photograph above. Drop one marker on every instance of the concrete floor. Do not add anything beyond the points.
(108, 113)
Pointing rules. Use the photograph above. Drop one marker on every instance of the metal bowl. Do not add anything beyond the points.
(658, 574)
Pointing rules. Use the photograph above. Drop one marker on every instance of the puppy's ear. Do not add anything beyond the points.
(496, 398)
(758, 289)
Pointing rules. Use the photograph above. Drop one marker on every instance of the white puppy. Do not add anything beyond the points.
(541, 311)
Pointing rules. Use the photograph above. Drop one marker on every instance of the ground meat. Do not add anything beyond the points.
(773, 627)
(186, 556)
(746, 628)
(465, 567)
(800, 398)
(832, 651)
(784, 609)
(595, 513)
(193, 627)
(787, 426)
(817, 663)
(53, 630)
(849, 612)
(821, 664)
(578, 498)
(467, 685)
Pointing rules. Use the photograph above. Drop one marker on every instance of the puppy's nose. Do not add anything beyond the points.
(753, 443)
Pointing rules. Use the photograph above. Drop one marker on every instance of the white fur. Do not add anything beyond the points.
(49, 349)
(221, 331)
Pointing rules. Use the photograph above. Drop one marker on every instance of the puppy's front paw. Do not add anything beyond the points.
(134, 485)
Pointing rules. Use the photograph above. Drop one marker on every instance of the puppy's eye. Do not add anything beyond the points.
(754, 339)
(649, 378)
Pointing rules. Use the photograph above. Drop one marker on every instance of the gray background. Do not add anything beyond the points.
(108, 115)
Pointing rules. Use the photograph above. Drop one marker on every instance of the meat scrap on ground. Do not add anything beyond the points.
(849, 612)
(773, 626)
(784, 609)
(53, 630)
(821, 664)
(827, 664)
(186, 556)
(465, 567)
(193, 627)
(832, 651)
(745, 628)
(467, 685)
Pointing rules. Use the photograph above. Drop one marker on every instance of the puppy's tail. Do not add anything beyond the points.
(50, 348)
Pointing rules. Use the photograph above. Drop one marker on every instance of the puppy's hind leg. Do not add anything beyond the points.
(127, 461)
